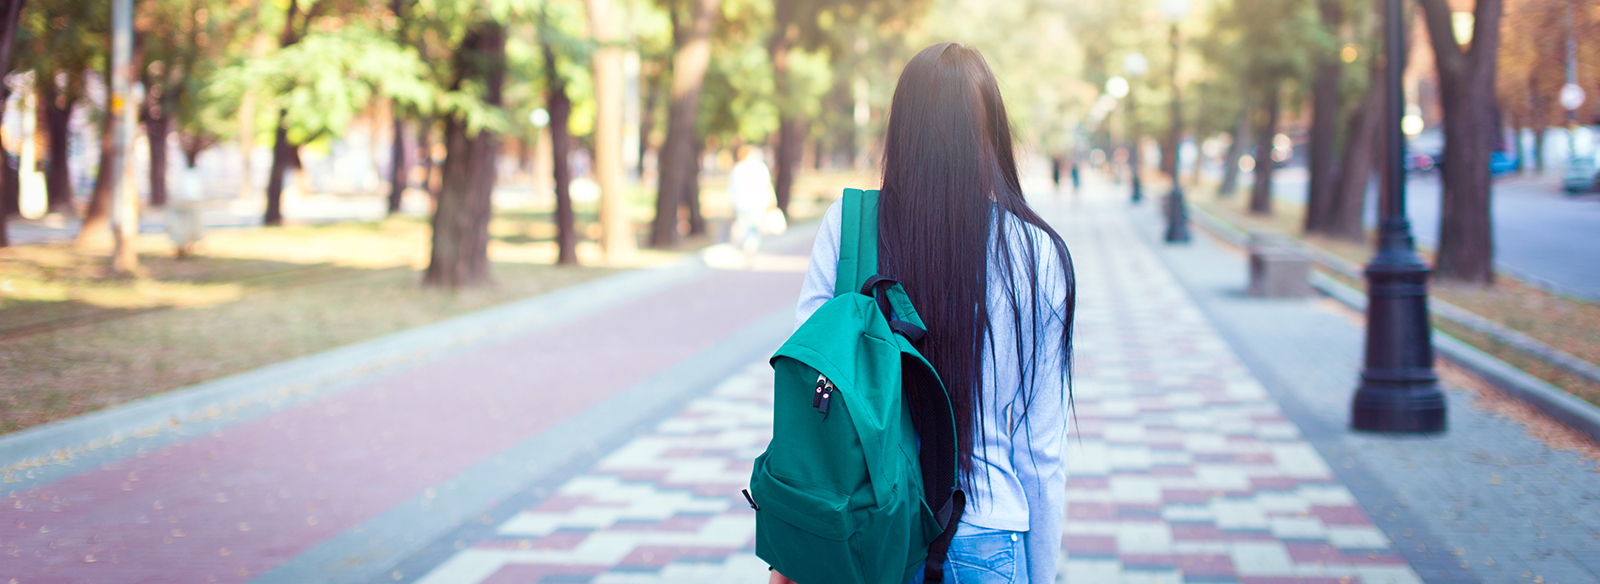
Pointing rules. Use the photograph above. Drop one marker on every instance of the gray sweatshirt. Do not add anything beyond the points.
(1020, 481)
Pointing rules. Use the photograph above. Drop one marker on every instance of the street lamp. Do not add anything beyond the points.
(1177, 215)
(1134, 65)
(1571, 93)
(1399, 388)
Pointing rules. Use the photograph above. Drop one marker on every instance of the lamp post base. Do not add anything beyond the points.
(1177, 217)
(1399, 389)
(1415, 407)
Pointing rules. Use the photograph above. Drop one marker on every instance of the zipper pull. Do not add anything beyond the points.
(816, 399)
(827, 398)
(752, 501)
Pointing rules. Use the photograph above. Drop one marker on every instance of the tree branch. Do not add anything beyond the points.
(1485, 30)
(1436, 14)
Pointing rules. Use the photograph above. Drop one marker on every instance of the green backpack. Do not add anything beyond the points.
(858, 483)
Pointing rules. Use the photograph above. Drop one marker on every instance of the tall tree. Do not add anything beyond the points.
(615, 219)
(560, 107)
(1230, 159)
(95, 232)
(692, 40)
(1364, 145)
(56, 105)
(319, 83)
(397, 145)
(10, 20)
(1325, 110)
(65, 41)
(283, 151)
(460, 255)
(1266, 127)
(1466, 92)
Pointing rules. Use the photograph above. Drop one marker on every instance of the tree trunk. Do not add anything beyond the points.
(282, 153)
(10, 195)
(95, 232)
(560, 146)
(691, 191)
(460, 256)
(647, 122)
(1230, 159)
(1266, 128)
(791, 138)
(1466, 90)
(1324, 130)
(692, 56)
(783, 39)
(397, 163)
(157, 126)
(616, 220)
(1350, 192)
(282, 150)
(57, 109)
(397, 146)
(10, 13)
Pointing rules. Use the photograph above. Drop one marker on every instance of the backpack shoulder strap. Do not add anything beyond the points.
(858, 241)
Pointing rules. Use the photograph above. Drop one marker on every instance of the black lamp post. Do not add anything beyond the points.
(1399, 389)
(1177, 214)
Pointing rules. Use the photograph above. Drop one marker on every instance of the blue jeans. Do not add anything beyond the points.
(979, 555)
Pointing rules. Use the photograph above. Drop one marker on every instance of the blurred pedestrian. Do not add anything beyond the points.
(1055, 172)
(994, 284)
(1073, 161)
(750, 191)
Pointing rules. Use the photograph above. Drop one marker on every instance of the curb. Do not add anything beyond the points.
(1553, 401)
(1455, 314)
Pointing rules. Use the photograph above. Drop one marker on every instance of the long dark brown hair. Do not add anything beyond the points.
(947, 163)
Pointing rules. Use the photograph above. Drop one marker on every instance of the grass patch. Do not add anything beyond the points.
(1567, 324)
(72, 342)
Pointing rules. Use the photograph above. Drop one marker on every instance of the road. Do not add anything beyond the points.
(1541, 234)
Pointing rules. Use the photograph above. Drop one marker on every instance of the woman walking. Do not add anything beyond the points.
(994, 285)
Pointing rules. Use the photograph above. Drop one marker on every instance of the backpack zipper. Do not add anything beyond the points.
(823, 396)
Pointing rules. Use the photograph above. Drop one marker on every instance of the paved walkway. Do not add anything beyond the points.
(1183, 468)
(611, 447)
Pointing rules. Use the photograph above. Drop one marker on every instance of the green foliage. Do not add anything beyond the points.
(736, 99)
(1035, 58)
(63, 36)
(324, 80)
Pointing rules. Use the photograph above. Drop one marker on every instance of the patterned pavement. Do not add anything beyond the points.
(663, 508)
(1181, 467)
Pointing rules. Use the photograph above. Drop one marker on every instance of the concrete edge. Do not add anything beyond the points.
(1553, 401)
(301, 377)
(1455, 314)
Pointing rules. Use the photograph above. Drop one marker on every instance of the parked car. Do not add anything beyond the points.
(1425, 151)
(1502, 162)
(1580, 176)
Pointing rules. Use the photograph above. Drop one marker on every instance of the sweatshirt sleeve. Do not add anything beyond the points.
(824, 269)
(1039, 465)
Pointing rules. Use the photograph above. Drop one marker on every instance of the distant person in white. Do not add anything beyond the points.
(750, 190)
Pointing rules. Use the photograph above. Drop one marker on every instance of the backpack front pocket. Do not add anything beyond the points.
(816, 510)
